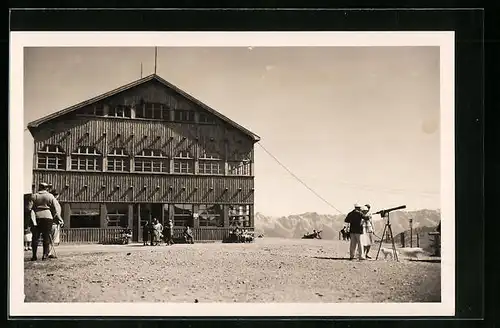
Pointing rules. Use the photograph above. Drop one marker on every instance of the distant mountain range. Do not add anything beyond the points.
(295, 226)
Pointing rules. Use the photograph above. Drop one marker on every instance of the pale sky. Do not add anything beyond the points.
(356, 124)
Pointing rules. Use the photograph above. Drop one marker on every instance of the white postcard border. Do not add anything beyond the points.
(19, 40)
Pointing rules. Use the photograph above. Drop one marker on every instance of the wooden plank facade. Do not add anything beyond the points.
(141, 151)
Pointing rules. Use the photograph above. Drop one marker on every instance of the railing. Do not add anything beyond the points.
(89, 235)
(108, 235)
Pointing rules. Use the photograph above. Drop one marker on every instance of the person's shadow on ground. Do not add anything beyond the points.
(331, 258)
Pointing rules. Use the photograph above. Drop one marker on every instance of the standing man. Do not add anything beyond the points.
(45, 207)
(169, 232)
(354, 219)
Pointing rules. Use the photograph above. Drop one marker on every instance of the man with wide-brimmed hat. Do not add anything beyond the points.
(354, 219)
(45, 207)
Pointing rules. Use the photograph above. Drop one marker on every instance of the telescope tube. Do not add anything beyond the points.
(391, 209)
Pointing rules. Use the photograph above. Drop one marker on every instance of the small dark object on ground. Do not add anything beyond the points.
(196, 300)
(314, 235)
(129, 253)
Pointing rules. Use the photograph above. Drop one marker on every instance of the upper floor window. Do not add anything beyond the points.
(239, 168)
(239, 164)
(86, 158)
(184, 154)
(118, 161)
(96, 109)
(151, 160)
(155, 111)
(209, 156)
(51, 157)
(183, 115)
(120, 111)
(183, 162)
(240, 157)
(210, 163)
(206, 118)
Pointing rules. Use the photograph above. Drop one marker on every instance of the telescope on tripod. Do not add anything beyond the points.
(385, 213)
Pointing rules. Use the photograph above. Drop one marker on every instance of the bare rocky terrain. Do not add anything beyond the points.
(269, 270)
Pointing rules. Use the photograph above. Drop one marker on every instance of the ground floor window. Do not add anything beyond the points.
(239, 215)
(183, 214)
(117, 215)
(85, 215)
(210, 216)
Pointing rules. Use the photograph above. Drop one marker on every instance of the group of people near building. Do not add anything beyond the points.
(238, 235)
(45, 222)
(360, 231)
(155, 232)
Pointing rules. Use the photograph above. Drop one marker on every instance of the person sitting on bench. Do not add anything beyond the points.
(188, 234)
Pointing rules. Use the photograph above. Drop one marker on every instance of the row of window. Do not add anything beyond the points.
(148, 160)
(87, 215)
(143, 165)
(155, 111)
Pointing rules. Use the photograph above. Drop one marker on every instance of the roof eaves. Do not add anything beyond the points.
(67, 110)
(255, 137)
(125, 87)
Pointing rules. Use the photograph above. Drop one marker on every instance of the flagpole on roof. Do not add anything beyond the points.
(156, 55)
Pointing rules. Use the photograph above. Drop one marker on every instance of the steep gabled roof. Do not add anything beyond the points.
(146, 79)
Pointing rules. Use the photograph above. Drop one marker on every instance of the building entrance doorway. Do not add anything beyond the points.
(148, 212)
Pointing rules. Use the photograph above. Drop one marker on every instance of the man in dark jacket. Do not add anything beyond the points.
(46, 208)
(354, 219)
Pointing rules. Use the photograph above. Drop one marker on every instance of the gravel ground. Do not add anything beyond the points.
(269, 270)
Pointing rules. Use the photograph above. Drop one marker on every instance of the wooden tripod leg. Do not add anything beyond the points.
(393, 244)
(380, 244)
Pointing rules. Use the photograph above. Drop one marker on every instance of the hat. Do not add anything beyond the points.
(364, 208)
(43, 184)
(357, 205)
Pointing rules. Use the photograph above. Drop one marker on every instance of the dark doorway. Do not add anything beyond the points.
(146, 213)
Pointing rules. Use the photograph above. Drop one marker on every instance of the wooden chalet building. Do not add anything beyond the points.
(146, 150)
